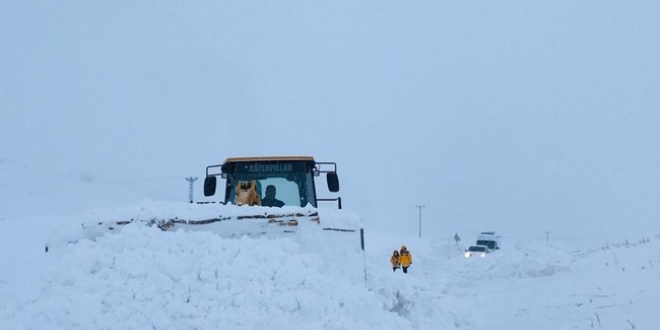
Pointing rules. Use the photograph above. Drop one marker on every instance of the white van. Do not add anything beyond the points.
(489, 239)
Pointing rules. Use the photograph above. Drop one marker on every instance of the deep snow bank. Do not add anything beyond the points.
(144, 278)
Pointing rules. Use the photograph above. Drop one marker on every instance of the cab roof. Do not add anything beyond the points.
(269, 159)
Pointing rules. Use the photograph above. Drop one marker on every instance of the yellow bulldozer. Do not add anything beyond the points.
(262, 196)
(277, 193)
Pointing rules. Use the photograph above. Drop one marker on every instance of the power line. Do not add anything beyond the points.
(420, 207)
(190, 180)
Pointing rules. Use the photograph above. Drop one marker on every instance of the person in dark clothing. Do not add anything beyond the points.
(270, 199)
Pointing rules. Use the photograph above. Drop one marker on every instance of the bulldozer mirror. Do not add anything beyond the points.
(333, 181)
(209, 186)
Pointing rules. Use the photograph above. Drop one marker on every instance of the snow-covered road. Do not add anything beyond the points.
(142, 278)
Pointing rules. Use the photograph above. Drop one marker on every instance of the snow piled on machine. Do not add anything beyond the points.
(141, 277)
(230, 221)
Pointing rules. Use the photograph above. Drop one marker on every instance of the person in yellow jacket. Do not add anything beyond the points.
(405, 257)
(394, 260)
(246, 193)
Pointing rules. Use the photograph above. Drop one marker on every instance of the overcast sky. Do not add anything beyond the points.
(543, 114)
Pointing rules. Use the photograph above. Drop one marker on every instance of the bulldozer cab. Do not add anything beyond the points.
(290, 179)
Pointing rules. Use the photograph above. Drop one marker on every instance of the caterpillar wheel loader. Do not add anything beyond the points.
(277, 193)
(262, 196)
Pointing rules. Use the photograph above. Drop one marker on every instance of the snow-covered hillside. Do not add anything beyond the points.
(36, 189)
(143, 278)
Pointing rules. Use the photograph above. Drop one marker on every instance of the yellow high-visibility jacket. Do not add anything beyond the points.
(246, 193)
(406, 258)
(394, 260)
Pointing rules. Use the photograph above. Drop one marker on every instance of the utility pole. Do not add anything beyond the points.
(190, 180)
(420, 207)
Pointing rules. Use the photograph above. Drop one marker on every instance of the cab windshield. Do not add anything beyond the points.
(489, 244)
(292, 181)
